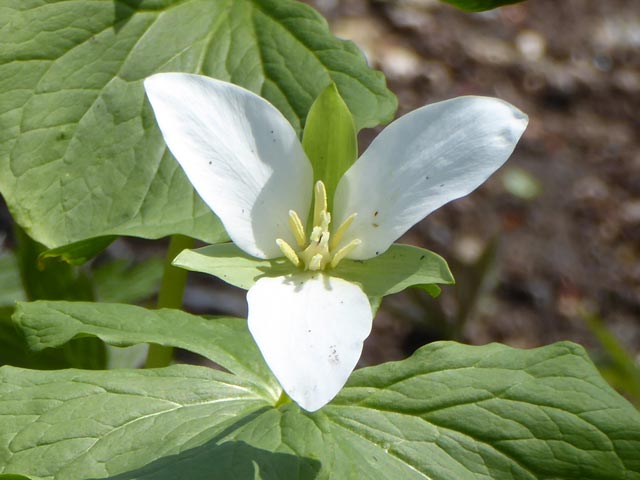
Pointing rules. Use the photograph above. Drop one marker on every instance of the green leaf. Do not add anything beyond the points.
(229, 263)
(480, 5)
(225, 341)
(11, 290)
(55, 280)
(79, 252)
(81, 353)
(497, 412)
(400, 267)
(127, 357)
(449, 412)
(51, 280)
(75, 126)
(75, 425)
(121, 281)
(329, 139)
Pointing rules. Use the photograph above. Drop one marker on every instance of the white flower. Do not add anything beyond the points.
(245, 161)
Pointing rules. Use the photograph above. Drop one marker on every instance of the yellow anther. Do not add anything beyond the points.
(315, 263)
(337, 236)
(344, 251)
(320, 204)
(289, 252)
(295, 224)
(317, 252)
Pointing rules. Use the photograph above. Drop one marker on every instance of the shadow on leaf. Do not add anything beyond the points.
(229, 460)
(123, 11)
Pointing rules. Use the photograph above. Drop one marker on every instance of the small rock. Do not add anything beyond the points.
(531, 45)
(627, 80)
(630, 212)
(590, 188)
(489, 50)
(400, 63)
(468, 249)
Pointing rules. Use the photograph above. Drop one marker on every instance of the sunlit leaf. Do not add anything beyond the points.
(76, 128)
(223, 340)
(400, 267)
(450, 412)
(122, 282)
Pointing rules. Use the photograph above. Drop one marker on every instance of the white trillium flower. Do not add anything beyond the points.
(246, 162)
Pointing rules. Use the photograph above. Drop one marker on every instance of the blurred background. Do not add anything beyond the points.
(549, 248)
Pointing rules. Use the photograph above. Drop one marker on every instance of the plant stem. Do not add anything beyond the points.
(170, 296)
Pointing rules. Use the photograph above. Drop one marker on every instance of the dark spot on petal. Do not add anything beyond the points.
(333, 355)
(209, 162)
(442, 184)
(377, 253)
(427, 177)
(309, 331)
(375, 214)
(375, 225)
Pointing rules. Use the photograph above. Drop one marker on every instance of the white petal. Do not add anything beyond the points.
(310, 329)
(420, 162)
(239, 152)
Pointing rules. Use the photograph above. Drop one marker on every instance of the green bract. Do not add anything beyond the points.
(400, 267)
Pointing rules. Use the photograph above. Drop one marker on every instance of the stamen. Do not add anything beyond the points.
(316, 252)
(325, 218)
(316, 233)
(288, 252)
(320, 204)
(315, 263)
(344, 251)
(295, 224)
(337, 236)
(324, 241)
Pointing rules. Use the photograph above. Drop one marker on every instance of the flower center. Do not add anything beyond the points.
(321, 249)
